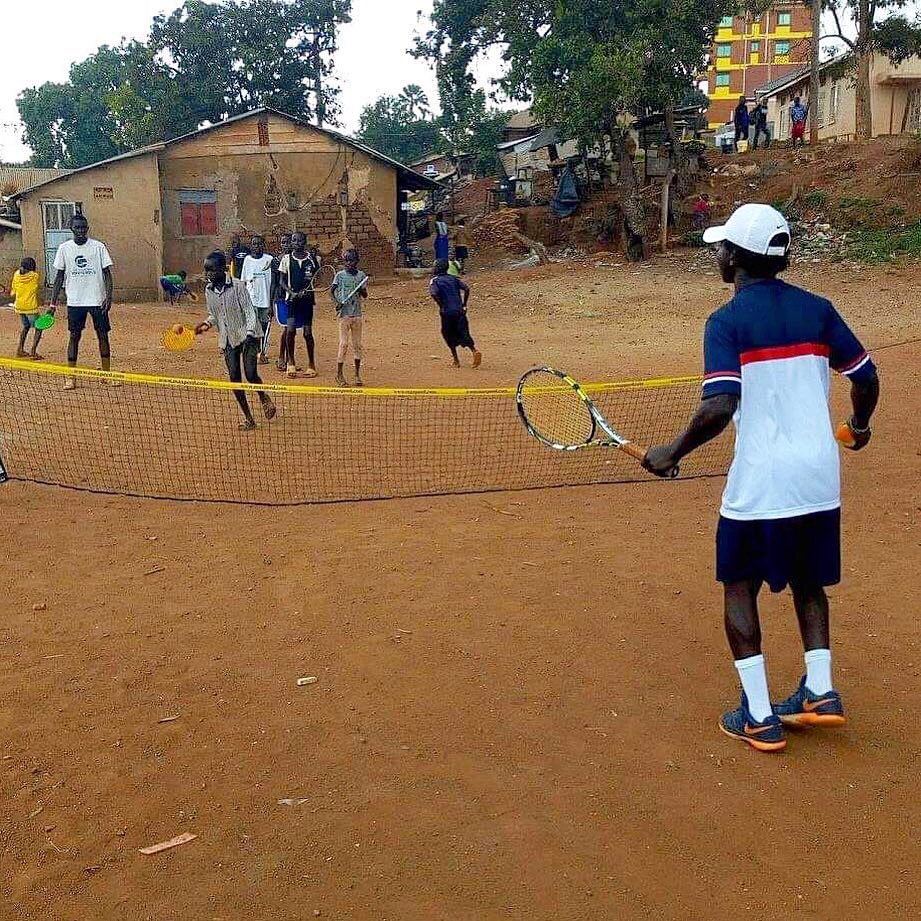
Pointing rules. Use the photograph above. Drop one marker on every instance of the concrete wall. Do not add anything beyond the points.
(271, 175)
(11, 254)
(890, 90)
(121, 200)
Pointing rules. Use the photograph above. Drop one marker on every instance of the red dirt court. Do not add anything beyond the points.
(515, 716)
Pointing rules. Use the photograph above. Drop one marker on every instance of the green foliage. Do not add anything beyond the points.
(398, 127)
(402, 127)
(202, 63)
(886, 244)
(583, 63)
(817, 198)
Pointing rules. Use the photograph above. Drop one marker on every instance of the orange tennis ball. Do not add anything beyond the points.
(845, 436)
(178, 329)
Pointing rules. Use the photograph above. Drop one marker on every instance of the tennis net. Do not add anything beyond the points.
(178, 438)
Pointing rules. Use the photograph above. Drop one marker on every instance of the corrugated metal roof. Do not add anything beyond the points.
(16, 178)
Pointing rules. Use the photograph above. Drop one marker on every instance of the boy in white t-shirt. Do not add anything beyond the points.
(84, 271)
(259, 276)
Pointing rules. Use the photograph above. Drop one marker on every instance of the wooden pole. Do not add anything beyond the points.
(814, 89)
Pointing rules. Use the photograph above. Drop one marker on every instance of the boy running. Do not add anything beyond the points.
(452, 295)
(84, 269)
(349, 288)
(239, 334)
(296, 272)
(258, 275)
(26, 303)
(768, 353)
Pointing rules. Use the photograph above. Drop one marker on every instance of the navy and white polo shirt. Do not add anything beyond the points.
(773, 345)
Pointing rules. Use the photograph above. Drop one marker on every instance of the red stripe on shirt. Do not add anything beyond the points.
(722, 374)
(785, 351)
(852, 364)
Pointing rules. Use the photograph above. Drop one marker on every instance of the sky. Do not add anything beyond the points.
(372, 60)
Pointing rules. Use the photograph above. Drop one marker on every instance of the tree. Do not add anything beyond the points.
(586, 66)
(415, 100)
(391, 126)
(877, 29)
(202, 63)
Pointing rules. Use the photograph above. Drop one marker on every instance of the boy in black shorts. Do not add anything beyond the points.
(296, 272)
(452, 295)
(84, 271)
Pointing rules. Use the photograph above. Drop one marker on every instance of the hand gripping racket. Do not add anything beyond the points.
(559, 414)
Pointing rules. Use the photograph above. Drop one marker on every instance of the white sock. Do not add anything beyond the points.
(753, 675)
(818, 671)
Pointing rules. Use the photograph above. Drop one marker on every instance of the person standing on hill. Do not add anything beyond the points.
(759, 120)
(84, 269)
(741, 120)
(442, 238)
(798, 116)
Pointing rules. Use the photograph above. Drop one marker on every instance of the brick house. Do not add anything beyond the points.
(750, 50)
(166, 206)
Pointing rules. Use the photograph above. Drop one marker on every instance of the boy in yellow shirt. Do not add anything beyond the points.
(24, 291)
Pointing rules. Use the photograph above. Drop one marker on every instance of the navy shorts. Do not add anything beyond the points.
(76, 319)
(805, 550)
(301, 312)
(455, 329)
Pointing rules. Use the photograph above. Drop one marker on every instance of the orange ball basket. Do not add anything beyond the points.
(179, 338)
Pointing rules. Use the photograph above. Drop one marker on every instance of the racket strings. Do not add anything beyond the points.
(555, 410)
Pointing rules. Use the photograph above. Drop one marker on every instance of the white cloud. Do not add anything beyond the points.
(373, 59)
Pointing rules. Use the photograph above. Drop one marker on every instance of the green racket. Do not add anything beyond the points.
(45, 321)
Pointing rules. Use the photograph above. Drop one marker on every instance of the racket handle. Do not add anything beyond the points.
(636, 452)
(639, 454)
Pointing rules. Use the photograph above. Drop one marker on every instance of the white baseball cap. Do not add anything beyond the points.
(752, 227)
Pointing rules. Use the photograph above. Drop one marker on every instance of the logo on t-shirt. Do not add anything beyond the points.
(81, 262)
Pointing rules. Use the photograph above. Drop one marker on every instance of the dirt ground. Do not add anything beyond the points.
(516, 709)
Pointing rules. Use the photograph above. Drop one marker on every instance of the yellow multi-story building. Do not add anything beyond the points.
(750, 50)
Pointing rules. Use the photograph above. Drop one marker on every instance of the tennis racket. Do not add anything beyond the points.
(358, 290)
(43, 322)
(559, 414)
(322, 279)
(179, 338)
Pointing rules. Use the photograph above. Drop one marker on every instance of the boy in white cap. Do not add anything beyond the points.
(768, 355)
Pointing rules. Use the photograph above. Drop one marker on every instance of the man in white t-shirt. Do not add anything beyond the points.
(769, 354)
(84, 271)
(259, 276)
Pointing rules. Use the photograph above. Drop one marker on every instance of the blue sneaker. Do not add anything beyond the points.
(803, 708)
(766, 736)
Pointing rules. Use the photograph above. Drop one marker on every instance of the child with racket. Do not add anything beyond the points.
(24, 291)
(768, 355)
(451, 294)
(349, 288)
(239, 332)
(296, 273)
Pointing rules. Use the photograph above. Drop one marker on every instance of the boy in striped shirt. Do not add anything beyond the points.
(768, 356)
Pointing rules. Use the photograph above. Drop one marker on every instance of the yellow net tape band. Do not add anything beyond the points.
(178, 438)
(32, 367)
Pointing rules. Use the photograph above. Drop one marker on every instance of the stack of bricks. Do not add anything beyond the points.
(377, 252)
